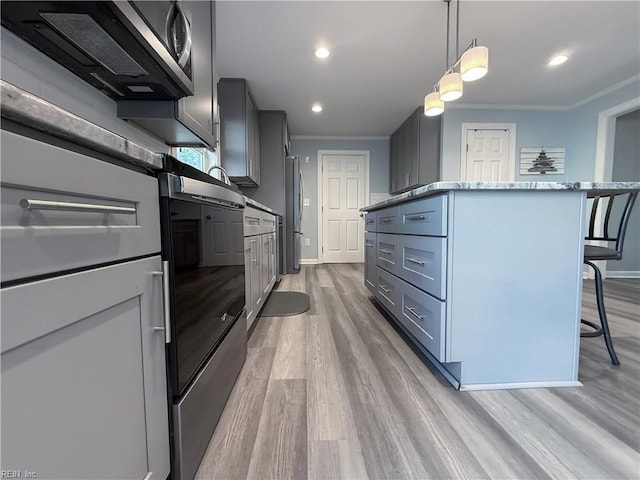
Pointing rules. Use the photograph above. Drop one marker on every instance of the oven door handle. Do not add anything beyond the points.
(166, 305)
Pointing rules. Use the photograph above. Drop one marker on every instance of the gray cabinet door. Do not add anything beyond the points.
(394, 162)
(83, 375)
(197, 110)
(256, 273)
(239, 132)
(370, 261)
(412, 127)
(429, 150)
(249, 255)
(265, 273)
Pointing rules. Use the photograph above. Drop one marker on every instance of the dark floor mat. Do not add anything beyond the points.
(282, 304)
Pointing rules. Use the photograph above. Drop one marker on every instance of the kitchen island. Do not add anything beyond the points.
(486, 278)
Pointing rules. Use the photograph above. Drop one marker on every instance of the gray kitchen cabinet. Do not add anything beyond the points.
(415, 152)
(190, 120)
(460, 288)
(70, 211)
(239, 132)
(260, 259)
(83, 374)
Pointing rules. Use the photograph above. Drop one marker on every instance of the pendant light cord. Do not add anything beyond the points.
(457, 28)
(446, 60)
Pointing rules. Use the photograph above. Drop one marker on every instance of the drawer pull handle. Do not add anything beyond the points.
(166, 302)
(384, 250)
(73, 207)
(416, 261)
(369, 244)
(384, 289)
(415, 217)
(414, 313)
(370, 221)
(386, 220)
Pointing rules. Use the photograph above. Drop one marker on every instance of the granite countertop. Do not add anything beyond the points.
(440, 187)
(34, 112)
(251, 202)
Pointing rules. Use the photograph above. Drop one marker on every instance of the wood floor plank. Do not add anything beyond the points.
(332, 459)
(334, 447)
(280, 450)
(622, 461)
(386, 445)
(290, 358)
(229, 451)
(266, 332)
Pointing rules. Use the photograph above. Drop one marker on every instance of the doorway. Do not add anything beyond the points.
(604, 172)
(488, 152)
(343, 188)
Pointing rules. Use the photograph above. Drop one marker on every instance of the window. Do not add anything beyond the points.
(192, 156)
(200, 158)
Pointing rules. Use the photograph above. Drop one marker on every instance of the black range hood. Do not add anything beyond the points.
(108, 44)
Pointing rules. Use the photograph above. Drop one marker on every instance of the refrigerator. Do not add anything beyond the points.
(294, 189)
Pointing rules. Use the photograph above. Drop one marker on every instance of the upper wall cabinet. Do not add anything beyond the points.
(239, 132)
(415, 153)
(191, 120)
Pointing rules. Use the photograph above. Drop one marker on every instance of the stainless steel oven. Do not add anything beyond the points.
(202, 242)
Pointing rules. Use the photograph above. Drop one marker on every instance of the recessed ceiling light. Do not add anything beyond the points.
(317, 108)
(558, 60)
(322, 52)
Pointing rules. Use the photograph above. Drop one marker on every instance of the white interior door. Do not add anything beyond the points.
(488, 156)
(344, 192)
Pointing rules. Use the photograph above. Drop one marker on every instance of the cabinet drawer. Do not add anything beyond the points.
(424, 217)
(252, 221)
(424, 317)
(370, 222)
(387, 220)
(62, 210)
(268, 222)
(422, 262)
(387, 291)
(387, 251)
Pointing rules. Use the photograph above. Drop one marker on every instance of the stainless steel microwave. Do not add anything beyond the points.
(133, 50)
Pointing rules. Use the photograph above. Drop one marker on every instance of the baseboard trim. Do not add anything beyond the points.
(504, 386)
(622, 274)
(308, 261)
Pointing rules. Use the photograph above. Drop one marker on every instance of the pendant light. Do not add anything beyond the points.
(433, 105)
(472, 65)
(450, 87)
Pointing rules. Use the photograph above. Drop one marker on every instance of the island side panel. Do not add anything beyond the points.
(515, 286)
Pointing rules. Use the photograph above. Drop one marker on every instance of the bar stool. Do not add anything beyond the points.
(594, 252)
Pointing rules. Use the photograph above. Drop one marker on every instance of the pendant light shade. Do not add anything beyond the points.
(433, 105)
(450, 87)
(474, 63)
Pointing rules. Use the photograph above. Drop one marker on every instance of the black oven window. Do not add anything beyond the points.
(208, 266)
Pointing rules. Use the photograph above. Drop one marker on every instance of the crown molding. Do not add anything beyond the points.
(335, 137)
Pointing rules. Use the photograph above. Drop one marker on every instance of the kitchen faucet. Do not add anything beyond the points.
(225, 177)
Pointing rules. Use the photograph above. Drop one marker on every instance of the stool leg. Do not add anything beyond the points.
(603, 315)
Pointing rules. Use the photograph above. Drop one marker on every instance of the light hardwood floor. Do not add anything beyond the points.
(337, 393)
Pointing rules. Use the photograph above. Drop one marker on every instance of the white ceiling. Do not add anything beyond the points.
(385, 56)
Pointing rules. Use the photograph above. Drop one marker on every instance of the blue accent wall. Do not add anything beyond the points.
(575, 129)
(378, 177)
